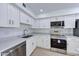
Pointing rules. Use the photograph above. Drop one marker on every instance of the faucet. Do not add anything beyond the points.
(24, 32)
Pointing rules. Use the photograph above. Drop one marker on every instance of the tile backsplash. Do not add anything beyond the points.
(62, 31)
(41, 31)
(6, 32)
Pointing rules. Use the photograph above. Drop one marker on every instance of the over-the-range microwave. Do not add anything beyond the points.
(57, 23)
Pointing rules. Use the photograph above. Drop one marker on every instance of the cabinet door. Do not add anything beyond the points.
(40, 41)
(53, 19)
(22, 17)
(33, 44)
(28, 19)
(76, 16)
(32, 22)
(36, 24)
(3, 15)
(70, 21)
(13, 16)
(43, 41)
(73, 46)
(60, 18)
(44, 23)
(47, 42)
(28, 47)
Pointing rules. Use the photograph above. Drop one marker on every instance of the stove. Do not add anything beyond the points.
(58, 43)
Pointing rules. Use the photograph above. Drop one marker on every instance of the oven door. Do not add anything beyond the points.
(58, 43)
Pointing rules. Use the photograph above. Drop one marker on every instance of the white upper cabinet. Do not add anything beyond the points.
(36, 24)
(52, 19)
(76, 16)
(57, 18)
(69, 21)
(60, 18)
(13, 16)
(24, 18)
(42, 23)
(45, 23)
(3, 15)
(9, 16)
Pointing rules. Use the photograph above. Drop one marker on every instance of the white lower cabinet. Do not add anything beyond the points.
(73, 46)
(30, 45)
(43, 41)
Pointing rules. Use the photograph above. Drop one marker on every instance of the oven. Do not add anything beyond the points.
(59, 45)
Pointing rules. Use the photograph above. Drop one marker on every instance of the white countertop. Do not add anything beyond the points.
(9, 42)
(6, 43)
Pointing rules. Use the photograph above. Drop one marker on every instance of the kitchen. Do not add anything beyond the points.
(29, 30)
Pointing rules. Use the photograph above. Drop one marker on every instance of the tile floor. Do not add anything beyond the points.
(44, 52)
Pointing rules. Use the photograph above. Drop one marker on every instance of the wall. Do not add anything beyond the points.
(7, 32)
(41, 31)
(62, 31)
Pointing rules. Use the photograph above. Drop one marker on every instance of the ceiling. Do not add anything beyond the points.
(49, 7)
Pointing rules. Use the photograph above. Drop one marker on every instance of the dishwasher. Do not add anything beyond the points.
(18, 50)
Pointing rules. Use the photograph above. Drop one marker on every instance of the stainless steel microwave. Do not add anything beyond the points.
(57, 23)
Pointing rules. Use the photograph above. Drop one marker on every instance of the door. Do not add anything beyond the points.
(44, 23)
(69, 21)
(40, 41)
(58, 43)
(3, 15)
(13, 16)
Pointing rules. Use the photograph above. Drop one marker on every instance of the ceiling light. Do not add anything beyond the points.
(41, 10)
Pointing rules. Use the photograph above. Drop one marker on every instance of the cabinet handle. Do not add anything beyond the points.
(32, 43)
(9, 21)
(12, 22)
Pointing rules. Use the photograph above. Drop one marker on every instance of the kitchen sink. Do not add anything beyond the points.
(27, 36)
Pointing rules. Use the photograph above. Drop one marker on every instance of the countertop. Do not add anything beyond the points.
(6, 43)
(9, 42)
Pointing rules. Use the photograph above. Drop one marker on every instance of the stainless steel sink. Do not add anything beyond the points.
(27, 36)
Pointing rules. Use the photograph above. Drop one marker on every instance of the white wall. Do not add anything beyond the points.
(7, 32)
(41, 31)
(62, 31)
